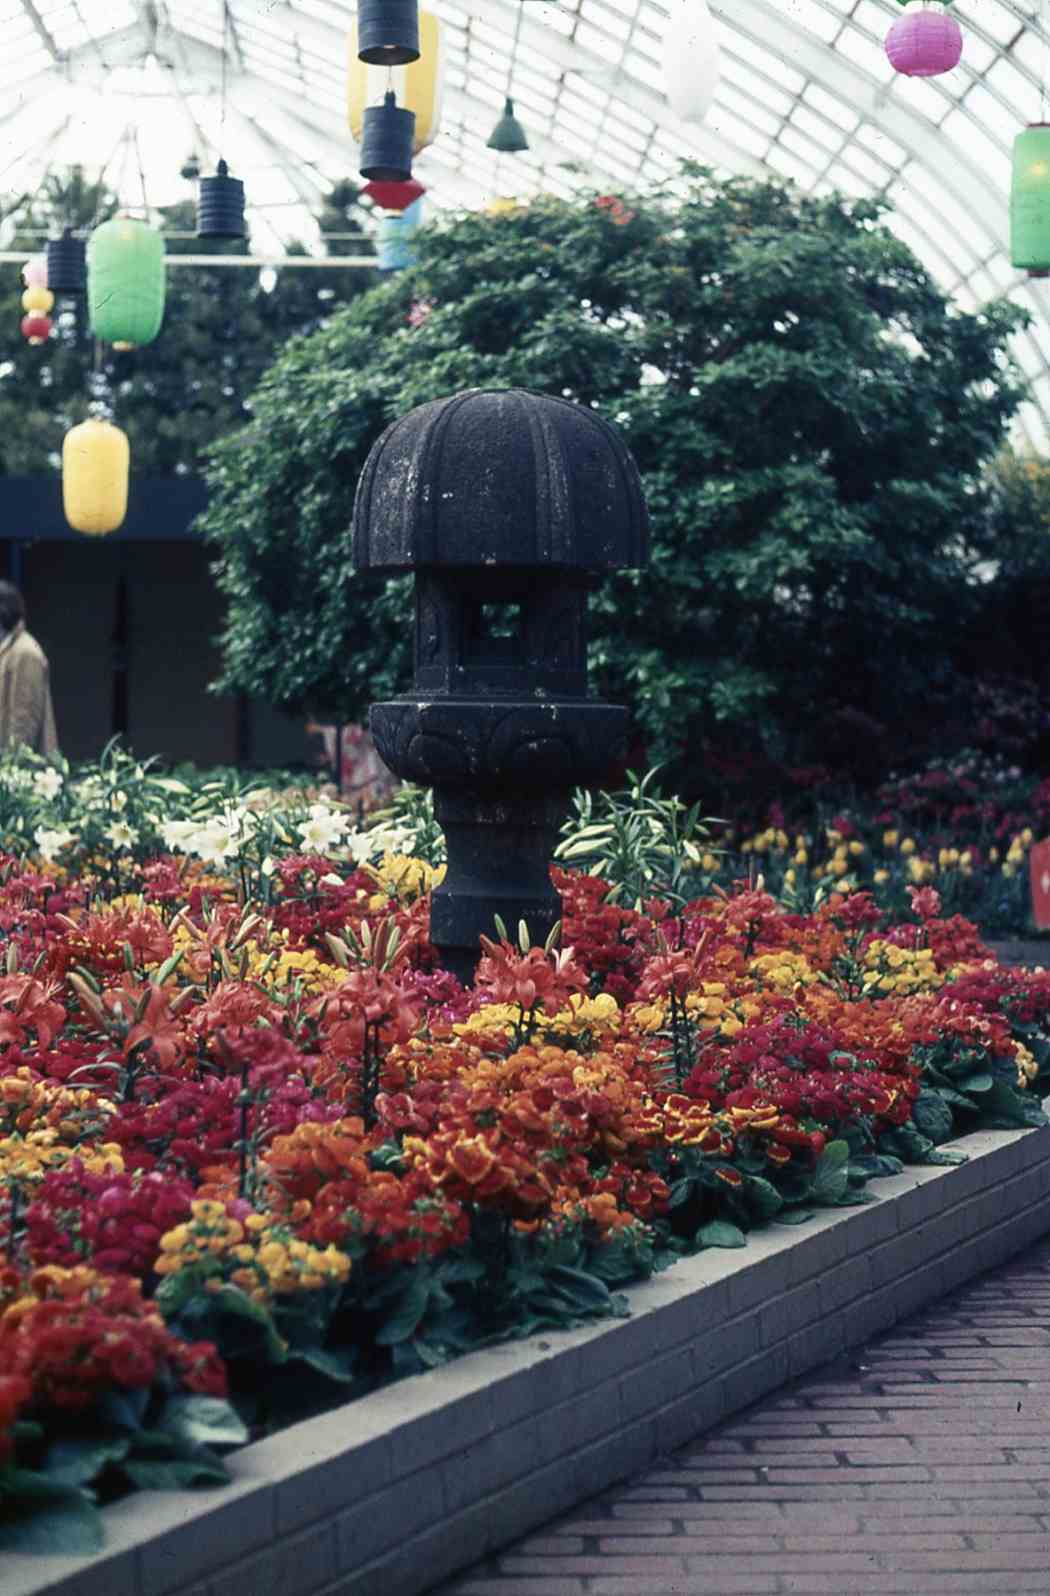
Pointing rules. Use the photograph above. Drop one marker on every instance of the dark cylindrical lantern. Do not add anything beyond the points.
(388, 32)
(505, 504)
(67, 264)
(220, 205)
(386, 142)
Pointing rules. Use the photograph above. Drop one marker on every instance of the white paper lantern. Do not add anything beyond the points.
(691, 59)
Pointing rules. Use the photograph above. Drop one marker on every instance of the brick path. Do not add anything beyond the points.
(919, 1464)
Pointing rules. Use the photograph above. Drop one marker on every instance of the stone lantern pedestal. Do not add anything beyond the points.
(507, 505)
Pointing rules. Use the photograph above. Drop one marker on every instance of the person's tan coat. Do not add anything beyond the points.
(26, 712)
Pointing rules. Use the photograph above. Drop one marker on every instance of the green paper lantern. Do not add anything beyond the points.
(1030, 201)
(125, 260)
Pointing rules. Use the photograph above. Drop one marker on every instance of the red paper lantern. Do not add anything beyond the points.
(395, 196)
(1039, 871)
(923, 44)
(36, 327)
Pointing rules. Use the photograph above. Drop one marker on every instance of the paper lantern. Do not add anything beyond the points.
(691, 59)
(1030, 201)
(395, 238)
(924, 42)
(67, 264)
(508, 136)
(126, 281)
(36, 329)
(387, 32)
(220, 205)
(40, 300)
(34, 272)
(385, 155)
(394, 196)
(95, 463)
(417, 86)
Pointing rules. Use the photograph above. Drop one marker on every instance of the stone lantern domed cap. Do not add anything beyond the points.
(500, 477)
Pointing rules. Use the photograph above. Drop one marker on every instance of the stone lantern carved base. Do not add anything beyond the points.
(502, 772)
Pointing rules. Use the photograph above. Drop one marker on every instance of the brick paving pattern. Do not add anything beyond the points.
(918, 1464)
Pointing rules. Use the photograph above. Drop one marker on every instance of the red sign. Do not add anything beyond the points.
(1039, 866)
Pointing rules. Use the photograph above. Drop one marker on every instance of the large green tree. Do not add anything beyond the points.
(809, 412)
(221, 331)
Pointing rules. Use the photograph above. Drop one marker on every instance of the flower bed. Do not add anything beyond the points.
(259, 1155)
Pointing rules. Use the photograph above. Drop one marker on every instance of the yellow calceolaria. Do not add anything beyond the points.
(880, 876)
(31, 1157)
(948, 858)
(1027, 1068)
(908, 845)
(707, 1007)
(289, 965)
(901, 971)
(264, 1260)
(783, 970)
(285, 1264)
(890, 839)
(801, 856)
(921, 870)
(856, 848)
(583, 1014)
(403, 879)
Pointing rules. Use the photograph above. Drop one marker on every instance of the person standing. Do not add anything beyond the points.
(26, 712)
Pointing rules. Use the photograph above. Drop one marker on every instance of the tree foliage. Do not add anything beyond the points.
(191, 385)
(809, 413)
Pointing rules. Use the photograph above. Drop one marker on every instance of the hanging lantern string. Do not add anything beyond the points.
(225, 55)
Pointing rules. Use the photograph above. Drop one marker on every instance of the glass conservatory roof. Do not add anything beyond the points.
(130, 87)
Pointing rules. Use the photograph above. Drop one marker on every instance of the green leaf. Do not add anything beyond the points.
(981, 1082)
(403, 1323)
(203, 1420)
(77, 1460)
(831, 1176)
(720, 1233)
(337, 1363)
(763, 1197)
(40, 1516)
(932, 1116)
(174, 1474)
(584, 1289)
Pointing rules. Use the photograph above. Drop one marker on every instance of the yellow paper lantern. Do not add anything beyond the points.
(38, 300)
(417, 86)
(96, 458)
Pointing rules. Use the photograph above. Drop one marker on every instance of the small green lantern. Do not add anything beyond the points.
(1030, 201)
(126, 276)
(508, 136)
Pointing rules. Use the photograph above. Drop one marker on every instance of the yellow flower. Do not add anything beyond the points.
(993, 855)
(889, 839)
(856, 847)
(907, 846)
(1009, 870)
(880, 876)
(1026, 837)
(801, 857)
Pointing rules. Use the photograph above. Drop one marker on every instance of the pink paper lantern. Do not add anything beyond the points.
(923, 44)
(34, 272)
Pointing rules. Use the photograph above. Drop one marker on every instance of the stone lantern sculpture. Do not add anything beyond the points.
(507, 505)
